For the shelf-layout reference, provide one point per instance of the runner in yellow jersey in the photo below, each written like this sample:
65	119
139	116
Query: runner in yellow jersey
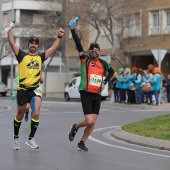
29	69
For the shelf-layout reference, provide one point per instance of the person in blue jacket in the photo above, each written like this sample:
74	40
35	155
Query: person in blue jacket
156	81
119	85
138	81
127	83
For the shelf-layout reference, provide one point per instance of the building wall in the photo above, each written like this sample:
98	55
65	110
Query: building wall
140	46
56	82
15	10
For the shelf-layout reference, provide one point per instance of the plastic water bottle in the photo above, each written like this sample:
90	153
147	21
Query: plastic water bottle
73	21
8	28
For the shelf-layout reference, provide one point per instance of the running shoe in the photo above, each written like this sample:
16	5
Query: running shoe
72	132
26	115
32	143
16	144
81	147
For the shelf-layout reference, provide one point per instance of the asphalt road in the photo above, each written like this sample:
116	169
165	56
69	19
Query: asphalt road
56	152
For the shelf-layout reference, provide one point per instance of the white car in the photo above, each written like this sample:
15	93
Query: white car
3	89
71	90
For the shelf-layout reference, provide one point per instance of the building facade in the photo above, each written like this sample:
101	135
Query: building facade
146	28
149	29
33	18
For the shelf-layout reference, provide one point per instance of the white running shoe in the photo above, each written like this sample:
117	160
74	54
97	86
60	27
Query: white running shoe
16	144
32	143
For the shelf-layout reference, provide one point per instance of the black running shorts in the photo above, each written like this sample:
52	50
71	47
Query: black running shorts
24	97
90	102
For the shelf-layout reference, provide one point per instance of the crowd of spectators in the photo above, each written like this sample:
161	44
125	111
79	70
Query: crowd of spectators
137	86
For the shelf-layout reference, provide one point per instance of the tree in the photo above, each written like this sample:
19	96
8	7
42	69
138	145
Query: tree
46	31
7	51
114	19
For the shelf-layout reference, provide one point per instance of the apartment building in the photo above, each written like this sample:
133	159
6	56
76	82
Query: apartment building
33	18
148	29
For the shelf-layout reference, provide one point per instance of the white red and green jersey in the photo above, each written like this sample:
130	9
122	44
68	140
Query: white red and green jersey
92	72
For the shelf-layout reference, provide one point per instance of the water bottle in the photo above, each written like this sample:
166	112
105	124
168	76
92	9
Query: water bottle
8	28
73	21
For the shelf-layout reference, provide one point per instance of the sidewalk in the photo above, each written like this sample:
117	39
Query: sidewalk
163	107
55	95
119	134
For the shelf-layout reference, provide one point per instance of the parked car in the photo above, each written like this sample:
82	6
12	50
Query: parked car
3	89
71	90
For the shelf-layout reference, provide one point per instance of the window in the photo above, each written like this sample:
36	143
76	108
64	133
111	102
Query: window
155	18
26	17
132	24
154	22
38	19
168	18
5	18
72	83
166	21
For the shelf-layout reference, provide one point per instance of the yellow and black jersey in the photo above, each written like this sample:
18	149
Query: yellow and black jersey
29	68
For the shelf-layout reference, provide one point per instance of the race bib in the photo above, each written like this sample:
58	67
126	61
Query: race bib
38	91
95	80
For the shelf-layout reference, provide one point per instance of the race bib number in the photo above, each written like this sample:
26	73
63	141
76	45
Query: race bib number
95	80
38	91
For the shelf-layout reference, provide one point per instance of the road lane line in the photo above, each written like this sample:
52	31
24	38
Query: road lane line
123	148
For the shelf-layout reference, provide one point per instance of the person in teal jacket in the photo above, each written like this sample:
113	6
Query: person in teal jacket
119	85
127	82
138	82
156	81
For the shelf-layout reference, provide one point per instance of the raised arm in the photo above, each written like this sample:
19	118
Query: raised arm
14	47
77	41
55	45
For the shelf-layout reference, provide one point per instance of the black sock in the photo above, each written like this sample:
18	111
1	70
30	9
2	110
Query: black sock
34	126
17	125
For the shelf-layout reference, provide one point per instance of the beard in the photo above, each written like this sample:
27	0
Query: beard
32	49
94	55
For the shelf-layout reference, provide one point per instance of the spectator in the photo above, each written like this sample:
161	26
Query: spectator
167	85
156	83
114	88
128	77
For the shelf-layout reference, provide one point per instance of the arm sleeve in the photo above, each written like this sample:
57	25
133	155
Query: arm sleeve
77	41
109	76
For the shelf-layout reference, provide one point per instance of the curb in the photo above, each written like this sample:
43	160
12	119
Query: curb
163	107
119	134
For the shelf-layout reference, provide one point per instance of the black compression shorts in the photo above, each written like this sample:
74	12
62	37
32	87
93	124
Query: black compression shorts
90	102
24	97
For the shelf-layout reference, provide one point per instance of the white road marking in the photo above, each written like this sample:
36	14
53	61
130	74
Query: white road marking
8	108
72	112
51	102
124	148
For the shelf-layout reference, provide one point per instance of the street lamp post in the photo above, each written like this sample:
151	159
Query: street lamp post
12	63
1	18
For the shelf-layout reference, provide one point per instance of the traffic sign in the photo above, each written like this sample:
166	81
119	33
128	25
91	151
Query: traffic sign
159	55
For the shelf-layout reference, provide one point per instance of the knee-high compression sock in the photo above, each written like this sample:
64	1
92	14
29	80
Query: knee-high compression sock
17	124
33	128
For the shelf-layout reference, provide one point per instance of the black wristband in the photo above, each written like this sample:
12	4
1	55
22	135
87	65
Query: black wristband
59	36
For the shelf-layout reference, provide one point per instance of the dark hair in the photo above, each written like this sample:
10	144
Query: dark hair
34	39
94	45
